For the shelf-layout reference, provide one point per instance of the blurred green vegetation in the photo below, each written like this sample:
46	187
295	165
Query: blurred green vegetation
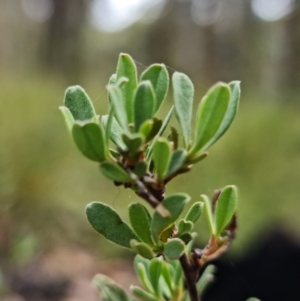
45	183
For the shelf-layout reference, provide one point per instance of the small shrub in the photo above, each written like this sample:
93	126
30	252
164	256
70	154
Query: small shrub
145	160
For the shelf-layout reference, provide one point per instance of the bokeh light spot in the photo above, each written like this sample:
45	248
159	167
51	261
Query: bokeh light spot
272	10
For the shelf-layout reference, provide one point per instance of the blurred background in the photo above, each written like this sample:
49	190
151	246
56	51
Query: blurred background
47	249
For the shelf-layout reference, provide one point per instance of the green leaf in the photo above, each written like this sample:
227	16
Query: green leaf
79	104
115	131
114	172
194	212
174	248
184	226
126	68
206	279
144	104
186	237
167	233
109	290
161	156
117	101
210	115
225	207
154	273
108	223
140	221
166	274
174	204
176	162
146	128
108	287
235	93
90	140
197	158
140	169
142	249
143	276
178	277
141	294
111	82
173	137
183	96
209	214
150	133
133	142
160	132
68	117
158	75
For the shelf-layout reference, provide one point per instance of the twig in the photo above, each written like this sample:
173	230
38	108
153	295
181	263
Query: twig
189	279
148	197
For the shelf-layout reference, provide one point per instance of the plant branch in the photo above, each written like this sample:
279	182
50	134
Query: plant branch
189	279
148	197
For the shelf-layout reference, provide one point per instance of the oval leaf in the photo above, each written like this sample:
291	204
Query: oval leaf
235	92
140	169
142	249
210	115
90	139
209	214
154	272
117	100
161	157
194	212
141	270
160	132
133	142
144	104
174	204
158	75
184	226
78	102
141	294
114	172
115	132
107	286
68	117
176	162
174	248
108	223
126	68
225	207
183	96
150	128
140	221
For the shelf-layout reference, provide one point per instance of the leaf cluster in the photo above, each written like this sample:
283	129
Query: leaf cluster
131	147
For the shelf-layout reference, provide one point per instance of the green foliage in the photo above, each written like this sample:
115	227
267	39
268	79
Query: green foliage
195	212
90	140
174	249
225	208
69	119
158	75
161	157
144	104
183	96
210	114
140	221
174	204
110	291
79	104
108	223
114	172
145	161
126	68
